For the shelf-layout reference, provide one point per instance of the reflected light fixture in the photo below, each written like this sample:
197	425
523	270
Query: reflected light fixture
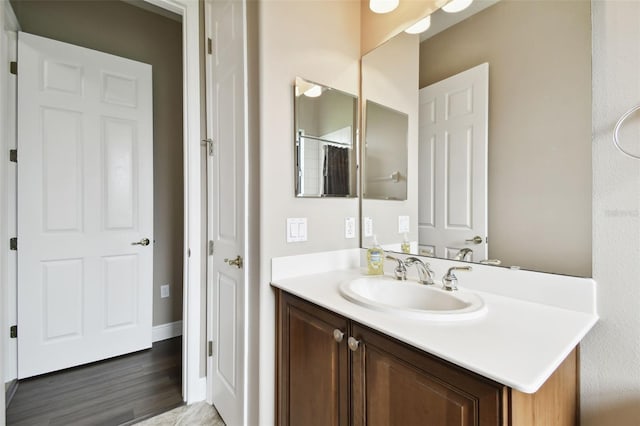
314	91
383	6
456	5
420	26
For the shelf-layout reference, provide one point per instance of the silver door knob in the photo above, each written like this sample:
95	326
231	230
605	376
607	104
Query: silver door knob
237	262
142	242
353	343
338	335
475	240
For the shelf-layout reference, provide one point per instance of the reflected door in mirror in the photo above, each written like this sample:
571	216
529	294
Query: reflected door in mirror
453	165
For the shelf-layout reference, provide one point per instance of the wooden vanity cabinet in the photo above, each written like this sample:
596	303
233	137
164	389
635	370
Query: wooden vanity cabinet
325	379
312	365
393	383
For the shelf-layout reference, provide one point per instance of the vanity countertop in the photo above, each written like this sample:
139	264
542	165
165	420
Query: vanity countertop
517	343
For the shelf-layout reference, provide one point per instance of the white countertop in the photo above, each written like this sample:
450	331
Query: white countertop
517	343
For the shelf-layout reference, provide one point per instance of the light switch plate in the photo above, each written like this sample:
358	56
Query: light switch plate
164	291
368	226
403	224
296	229
349	227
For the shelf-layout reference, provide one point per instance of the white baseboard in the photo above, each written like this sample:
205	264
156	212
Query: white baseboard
166	331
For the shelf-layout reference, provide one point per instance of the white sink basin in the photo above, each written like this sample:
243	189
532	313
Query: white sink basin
411	299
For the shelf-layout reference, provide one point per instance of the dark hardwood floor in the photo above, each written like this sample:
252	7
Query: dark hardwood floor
112	392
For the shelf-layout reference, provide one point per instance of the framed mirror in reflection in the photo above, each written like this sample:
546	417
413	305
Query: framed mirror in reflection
537	169
384	153
326	129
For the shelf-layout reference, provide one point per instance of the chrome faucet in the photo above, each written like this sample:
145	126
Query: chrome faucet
401	269
462	254
450	281
425	273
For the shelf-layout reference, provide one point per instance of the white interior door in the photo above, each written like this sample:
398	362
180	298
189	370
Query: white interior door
453	164
85	194
226	123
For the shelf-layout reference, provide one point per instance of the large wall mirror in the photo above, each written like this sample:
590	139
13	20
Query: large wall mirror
498	100
326	130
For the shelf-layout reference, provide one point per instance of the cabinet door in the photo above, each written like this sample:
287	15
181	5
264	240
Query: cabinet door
313	366
395	384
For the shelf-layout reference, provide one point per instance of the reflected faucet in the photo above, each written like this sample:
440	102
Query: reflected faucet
425	273
400	270
462	254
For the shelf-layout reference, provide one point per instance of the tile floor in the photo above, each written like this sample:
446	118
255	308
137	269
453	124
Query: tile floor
197	414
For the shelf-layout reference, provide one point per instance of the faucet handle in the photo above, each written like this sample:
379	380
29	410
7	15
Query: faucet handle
401	270
450	281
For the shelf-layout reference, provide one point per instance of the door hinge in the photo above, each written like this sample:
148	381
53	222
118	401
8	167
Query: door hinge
209	46
13	243
210	348
13	331
211	247
13	67
13	155
209	144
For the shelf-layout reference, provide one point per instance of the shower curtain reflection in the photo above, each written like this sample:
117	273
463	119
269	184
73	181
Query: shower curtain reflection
336	170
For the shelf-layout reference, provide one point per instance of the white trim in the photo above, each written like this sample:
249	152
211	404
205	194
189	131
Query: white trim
10	20
7	193
193	385
166	331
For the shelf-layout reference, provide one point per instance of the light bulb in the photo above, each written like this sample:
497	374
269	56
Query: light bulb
314	91
383	6
420	26
456	5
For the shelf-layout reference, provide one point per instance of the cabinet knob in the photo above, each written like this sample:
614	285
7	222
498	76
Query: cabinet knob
338	335
353	343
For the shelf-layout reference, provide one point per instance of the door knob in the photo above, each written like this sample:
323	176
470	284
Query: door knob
142	242
353	343
338	335
475	240
237	262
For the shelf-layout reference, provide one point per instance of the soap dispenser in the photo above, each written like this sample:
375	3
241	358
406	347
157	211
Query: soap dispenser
405	246
375	258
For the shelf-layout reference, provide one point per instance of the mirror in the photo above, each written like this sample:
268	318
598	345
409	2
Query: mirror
384	153
538	128
326	129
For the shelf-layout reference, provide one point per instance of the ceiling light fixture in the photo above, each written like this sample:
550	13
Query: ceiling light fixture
314	91
456	5
383	6
420	26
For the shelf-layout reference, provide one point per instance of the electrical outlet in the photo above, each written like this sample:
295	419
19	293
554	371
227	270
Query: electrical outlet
349	227
164	291
403	224
368	227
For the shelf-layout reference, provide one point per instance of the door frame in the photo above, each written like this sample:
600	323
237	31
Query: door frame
193	381
193	385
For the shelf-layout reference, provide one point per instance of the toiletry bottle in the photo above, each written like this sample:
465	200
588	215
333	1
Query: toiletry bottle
375	258
405	246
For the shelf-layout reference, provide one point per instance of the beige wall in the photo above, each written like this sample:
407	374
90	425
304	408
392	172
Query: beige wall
318	41
539	56
394	82
124	30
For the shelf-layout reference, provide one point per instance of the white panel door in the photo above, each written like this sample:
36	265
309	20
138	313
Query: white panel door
85	194
226	275
453	164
